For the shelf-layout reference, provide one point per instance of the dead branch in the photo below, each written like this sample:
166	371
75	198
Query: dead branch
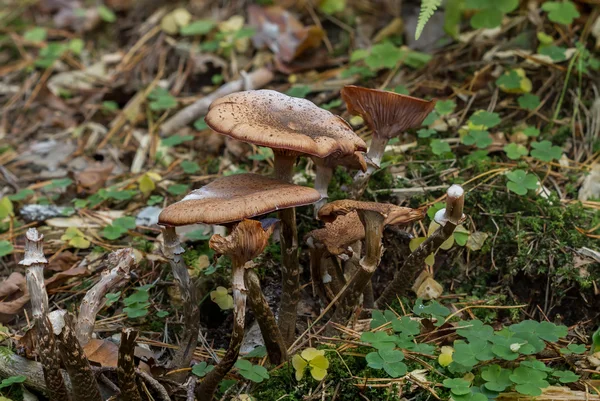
256	79
95	299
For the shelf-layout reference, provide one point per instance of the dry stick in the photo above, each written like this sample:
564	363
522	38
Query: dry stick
256	79
206	389
34	260
173	252
266	320
126	366
85	386
407	274
14	365
374	223
95	299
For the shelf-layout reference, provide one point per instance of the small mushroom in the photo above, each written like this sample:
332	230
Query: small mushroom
388	114
291	127
227	201
448	218
374	217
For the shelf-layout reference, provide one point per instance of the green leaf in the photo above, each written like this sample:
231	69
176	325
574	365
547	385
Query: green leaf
481	139
545	151
565	376
21	195
529	381
556	53
176	140
384	55
6	207
445	107
255	373
154	200
202	369
561	12
515	151
474	330
6	248
127	222
520	182
258	352
468	354
162	313
488	18
457	386
135	312
112	297
200	27
485	118
431	118
190	167
531	131
379	339
161	100
299	91
380	318
432	308
332	6
439	147
178	189
106	14
110	105
426	132
388	360
76	45
529	101
573	349
37	34
496	377
9	381
509	80
112	232
428	7
406	325
200	125
59	183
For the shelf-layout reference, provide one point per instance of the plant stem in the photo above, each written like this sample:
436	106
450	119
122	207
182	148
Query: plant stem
207	388
406	275
274	343
290	267
375	153
374	223
173	252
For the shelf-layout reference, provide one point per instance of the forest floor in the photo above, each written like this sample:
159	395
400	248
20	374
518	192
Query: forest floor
92	148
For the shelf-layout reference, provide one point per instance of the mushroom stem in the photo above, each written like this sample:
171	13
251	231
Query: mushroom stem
350	298
207	388
322	179
290	267
173	252
126	366
266	320
375	153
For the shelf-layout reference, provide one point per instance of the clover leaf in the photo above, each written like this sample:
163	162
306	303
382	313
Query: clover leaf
406	325
221	297
9	381
531	131
474	330
520	181
529	381
545	330
556	53
485	119
561	12
255	373
480	138
573	349
457	386
380	318
379	339
388	360
497	378
445	107
565	376
202	369
426	132
509	80
468	354
515	151
439	147
161	100
6	248
545	152
529	101
75	238
315	360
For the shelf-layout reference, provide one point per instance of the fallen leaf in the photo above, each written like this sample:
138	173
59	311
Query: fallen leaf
102	352
476	240
94	177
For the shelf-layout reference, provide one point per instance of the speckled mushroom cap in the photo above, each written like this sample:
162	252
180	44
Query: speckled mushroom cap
234	198
394	215
340	233
269	118
388	114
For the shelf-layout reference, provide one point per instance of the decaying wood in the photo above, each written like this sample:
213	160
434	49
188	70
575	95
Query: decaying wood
173	252
126	366
95	298
14	365
47	350
255	80
85	386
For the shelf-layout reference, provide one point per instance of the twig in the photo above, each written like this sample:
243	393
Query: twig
258	79
95	299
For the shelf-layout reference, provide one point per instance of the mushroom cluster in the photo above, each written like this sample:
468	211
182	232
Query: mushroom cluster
292	128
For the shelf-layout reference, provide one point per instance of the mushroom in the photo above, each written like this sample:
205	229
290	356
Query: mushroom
291	127
374	217
388	114
230	201
448	218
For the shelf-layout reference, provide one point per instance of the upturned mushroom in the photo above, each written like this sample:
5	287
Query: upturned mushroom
374	217
230	201
291	127
448	218
388	114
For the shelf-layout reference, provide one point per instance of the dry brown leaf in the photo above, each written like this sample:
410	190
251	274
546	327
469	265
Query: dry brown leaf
102	352
93	177
63	261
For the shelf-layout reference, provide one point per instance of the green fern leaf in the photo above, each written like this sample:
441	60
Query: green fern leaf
428	7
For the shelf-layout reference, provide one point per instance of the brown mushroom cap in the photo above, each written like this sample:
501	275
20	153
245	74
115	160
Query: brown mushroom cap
269	118
234	198
394	215
355	161
388	114
340	233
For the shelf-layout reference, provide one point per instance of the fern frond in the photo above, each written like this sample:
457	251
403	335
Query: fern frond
428	7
